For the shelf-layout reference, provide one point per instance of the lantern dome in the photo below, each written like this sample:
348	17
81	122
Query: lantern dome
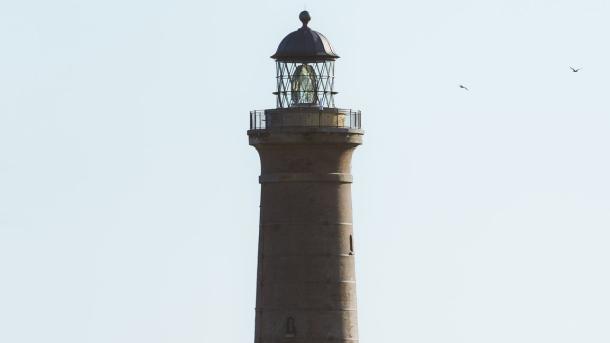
305	45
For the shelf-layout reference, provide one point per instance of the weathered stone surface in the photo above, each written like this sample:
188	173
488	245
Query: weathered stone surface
306	290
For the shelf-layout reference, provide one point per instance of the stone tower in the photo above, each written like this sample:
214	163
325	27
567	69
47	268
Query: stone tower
306	287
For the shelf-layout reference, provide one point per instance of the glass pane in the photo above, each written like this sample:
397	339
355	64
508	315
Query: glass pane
304	86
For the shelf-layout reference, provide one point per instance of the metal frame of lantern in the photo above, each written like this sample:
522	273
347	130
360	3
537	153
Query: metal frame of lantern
289	79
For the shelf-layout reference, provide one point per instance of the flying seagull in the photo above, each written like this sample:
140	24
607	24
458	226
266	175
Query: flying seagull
575	70
464	87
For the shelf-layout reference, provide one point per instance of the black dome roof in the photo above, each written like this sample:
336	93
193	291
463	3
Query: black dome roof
305	45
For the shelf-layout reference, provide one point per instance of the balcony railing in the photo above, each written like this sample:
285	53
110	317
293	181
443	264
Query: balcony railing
325	118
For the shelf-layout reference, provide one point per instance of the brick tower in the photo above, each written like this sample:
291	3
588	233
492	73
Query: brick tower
306	286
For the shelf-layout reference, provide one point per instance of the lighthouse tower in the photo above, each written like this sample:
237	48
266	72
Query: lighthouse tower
306	285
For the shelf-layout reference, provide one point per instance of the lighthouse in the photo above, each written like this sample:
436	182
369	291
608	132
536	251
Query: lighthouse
306	284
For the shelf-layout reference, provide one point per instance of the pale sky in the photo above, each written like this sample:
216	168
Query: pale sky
129	194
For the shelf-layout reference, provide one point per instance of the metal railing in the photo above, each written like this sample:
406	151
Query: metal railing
257	120
338	118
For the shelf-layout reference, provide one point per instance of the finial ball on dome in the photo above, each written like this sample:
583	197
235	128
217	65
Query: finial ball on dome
304	17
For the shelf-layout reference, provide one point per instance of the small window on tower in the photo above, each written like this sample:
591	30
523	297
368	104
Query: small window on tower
351	245
291	330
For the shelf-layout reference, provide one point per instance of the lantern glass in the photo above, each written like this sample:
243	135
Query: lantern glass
305	84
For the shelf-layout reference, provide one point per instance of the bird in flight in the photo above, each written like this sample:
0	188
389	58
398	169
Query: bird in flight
575	70
464	87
